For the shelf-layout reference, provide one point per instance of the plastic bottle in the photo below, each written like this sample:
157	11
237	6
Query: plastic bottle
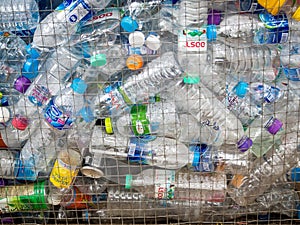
20	17
9	162
167	185
156	76
58	26
138	15
204	106
244	189
237	59
63	109
249	29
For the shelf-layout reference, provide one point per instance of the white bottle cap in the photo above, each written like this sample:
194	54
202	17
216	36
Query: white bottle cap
91	171
153	42
4	114
136	39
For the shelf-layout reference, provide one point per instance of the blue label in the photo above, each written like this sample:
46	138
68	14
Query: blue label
79	11
24	33
205	162
64	5
56	117
139	151
26	170
276	29
292	74
271	95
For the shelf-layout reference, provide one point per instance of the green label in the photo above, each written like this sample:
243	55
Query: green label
139	122
22	198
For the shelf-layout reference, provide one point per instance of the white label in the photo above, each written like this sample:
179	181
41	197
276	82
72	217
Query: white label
192	40
131	149
108	14
77	14
164	184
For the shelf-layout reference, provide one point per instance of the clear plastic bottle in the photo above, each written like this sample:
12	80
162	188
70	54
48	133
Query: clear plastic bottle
169	185
63	109
204	106
248	29
138	15
237	59
244	189
158	75
20	17
57	28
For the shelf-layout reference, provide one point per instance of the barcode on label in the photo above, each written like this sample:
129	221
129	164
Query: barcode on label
284	37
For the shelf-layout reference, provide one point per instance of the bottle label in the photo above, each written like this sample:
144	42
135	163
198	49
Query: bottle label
109	14
78	11
78	200
276	29
266	93
62	174
56	117
21	198
24	33
164	184
139	152
206	158
249	6
39	95
292	74
192	40
64	5
140	124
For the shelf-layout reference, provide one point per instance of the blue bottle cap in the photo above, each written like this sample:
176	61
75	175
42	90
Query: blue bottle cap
244	144
129	24
87	114
241	89
211	32
295	174
30	68
196	159
79	86
34	54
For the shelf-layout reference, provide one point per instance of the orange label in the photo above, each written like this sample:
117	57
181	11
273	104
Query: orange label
237	180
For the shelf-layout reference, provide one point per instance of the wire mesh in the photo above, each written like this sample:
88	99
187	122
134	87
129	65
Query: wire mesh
149	112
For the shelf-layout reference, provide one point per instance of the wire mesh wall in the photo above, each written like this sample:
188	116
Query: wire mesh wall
149	111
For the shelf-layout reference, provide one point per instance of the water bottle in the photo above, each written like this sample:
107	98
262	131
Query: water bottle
236	59
204	106
63	109
9	162
249	29
20	17
138	15
158	75
169	185
58	26
192	42
244	189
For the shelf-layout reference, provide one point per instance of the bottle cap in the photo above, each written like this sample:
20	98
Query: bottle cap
134	62
34	54
136	39
295	174
20	122
191	80
91	172
30	68
153	42
4	114
87	114
108	125
275	126
244	144
22	84
214	17
296	14
98	60
78	85
129	24
211	32
241	89
196	159
128	181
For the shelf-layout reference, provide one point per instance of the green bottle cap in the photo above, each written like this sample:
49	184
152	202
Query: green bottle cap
191	80
128	181
98	60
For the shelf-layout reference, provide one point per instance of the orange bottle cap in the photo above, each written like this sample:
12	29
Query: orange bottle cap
134	62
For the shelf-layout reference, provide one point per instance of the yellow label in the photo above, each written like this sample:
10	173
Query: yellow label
272	6
296	15
62	174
